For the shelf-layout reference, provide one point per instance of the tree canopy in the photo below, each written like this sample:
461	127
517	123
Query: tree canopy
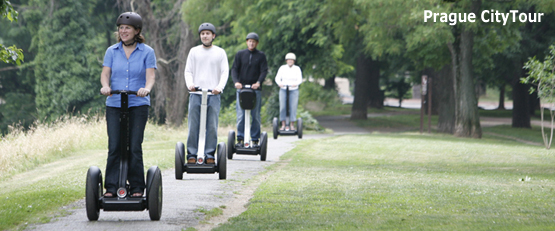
369	41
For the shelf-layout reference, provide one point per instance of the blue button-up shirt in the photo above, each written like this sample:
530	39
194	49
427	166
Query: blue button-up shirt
129	74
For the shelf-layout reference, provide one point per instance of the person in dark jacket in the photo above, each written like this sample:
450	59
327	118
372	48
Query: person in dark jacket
249	68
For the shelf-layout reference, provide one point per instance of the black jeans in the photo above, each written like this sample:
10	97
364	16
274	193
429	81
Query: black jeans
138	117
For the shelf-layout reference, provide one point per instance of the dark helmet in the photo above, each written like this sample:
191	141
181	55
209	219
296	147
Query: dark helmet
130	18
207	26
252	35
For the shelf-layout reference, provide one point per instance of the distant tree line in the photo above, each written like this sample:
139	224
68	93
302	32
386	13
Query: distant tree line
372	42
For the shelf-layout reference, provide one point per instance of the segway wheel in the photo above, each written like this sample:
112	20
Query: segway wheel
154	193
275	127
179	160
93	193
222	165
263	146
230	144
300	128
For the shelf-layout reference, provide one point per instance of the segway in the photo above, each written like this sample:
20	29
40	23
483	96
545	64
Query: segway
275	122
200	166
247	101
95	199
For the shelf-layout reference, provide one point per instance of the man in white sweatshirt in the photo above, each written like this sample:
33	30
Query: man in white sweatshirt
207	67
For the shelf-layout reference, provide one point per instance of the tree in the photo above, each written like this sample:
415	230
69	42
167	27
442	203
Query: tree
66	68
10	54
542	74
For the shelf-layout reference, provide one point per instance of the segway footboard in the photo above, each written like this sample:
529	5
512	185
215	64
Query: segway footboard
200	168
248	151
124	204
288	133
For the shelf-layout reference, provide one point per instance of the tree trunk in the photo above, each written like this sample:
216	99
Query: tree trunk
501	98
362	84
467	120
376	95
521	95
329	84
534	103
444	95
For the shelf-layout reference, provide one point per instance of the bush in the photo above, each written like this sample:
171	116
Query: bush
309	91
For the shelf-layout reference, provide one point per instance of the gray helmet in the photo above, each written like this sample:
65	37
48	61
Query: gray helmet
130	18
207	26
252	35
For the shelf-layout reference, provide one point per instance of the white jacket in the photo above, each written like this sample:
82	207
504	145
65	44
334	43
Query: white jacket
289	76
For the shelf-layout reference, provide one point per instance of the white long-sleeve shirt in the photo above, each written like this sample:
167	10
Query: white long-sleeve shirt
287	75
207	68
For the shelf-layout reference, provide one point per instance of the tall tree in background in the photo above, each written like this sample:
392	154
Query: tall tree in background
66	69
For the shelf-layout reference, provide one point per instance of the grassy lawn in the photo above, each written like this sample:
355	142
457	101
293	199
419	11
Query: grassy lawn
406	181
36	193
400	180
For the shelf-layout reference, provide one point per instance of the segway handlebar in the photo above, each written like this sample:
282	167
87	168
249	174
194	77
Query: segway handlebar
123	91
200	89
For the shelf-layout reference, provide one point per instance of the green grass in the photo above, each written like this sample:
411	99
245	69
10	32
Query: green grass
406	181
394	181
37	195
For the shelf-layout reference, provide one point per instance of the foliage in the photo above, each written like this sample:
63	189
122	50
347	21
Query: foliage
542	75
66	66
398	86
309	122
310	91
18	112
10	54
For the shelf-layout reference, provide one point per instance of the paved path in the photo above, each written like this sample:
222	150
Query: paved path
182	198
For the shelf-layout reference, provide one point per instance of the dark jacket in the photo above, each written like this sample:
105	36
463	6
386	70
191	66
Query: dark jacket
246	72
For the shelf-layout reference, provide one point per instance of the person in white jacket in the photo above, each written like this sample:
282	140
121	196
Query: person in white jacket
207	67
289	75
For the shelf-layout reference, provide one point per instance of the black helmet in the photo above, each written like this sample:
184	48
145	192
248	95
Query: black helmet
207	26
252	35
130	18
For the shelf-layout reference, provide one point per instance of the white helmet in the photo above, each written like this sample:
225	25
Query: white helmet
290	56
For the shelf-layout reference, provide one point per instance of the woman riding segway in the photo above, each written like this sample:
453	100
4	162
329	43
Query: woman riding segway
129	68
288	78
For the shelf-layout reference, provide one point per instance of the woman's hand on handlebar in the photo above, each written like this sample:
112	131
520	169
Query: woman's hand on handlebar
105	91
142	92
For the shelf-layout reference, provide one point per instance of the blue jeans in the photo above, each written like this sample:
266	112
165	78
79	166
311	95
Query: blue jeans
255	118
138	117
213	111
293	102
